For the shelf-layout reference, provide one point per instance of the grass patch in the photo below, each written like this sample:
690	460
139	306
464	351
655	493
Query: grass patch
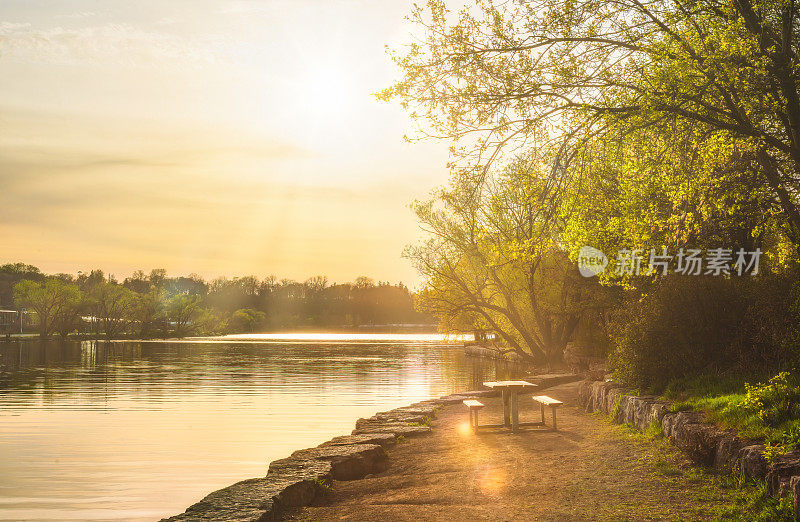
726	401
725	497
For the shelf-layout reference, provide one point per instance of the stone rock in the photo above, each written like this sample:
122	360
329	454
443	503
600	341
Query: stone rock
671	421
418	409
396	429
699	441
728	450
399	416
780	472
688	431
612	396
584	392
348	462
449	399
641	411
752	462
381	439
794	486
399	419
261	498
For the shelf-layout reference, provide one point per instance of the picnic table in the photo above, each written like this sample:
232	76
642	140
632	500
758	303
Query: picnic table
511	390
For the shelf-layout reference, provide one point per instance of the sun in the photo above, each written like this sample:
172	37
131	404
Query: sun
325	92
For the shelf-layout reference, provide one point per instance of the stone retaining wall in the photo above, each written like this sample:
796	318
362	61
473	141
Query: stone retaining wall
704	442
306	474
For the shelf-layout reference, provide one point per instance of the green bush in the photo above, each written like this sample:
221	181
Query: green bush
688	326
776	401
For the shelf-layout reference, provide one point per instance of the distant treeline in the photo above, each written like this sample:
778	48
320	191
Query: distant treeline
155	305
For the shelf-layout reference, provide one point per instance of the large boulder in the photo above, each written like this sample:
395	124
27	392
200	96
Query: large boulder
728	452
752	461
641	411
348	462
261	498
780	471
688	431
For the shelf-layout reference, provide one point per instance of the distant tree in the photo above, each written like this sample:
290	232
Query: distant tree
193	284
67	315
210	322
317	283
147	311
364	282
246	320
111	304
51	299
181	310
13	273
138	282
157	276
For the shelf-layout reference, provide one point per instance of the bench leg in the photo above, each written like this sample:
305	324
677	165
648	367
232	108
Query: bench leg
542	405
555	426
475	416
514	412
470	419
506	409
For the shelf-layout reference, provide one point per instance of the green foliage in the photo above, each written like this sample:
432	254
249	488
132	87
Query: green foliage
616	409
492	261
112	305
759	505
148	305
685	132
685	327
55	302
655	430
776	401
766	411
247	319
676	407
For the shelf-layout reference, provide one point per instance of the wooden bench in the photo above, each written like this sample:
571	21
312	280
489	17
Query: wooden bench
474	406
543	401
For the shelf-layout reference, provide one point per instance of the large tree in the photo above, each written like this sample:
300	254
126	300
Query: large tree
720	76
492	261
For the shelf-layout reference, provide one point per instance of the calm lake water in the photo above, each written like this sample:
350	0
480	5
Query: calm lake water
141	430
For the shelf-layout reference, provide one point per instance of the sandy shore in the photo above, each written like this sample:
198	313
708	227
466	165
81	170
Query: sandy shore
588	470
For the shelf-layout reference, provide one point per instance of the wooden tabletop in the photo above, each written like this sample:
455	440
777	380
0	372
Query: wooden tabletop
509	384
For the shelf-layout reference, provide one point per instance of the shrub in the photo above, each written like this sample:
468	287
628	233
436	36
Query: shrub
776	402
687	326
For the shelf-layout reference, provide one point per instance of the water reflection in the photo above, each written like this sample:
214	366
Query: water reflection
133	430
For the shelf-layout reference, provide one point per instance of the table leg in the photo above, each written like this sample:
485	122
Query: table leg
506	409
514	412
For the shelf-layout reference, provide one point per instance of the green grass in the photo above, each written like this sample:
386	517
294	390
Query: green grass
729	497
722	397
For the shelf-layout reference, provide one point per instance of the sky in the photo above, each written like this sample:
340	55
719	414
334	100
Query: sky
217	137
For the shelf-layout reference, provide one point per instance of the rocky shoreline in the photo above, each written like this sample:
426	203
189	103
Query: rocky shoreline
306	474
704	442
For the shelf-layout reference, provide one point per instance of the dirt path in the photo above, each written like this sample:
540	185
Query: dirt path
588	470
